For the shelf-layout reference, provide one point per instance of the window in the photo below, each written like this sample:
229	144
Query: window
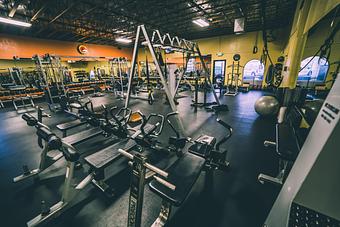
313	69
219	70
253	71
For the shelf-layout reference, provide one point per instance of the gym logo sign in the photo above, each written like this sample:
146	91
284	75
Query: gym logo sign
82	49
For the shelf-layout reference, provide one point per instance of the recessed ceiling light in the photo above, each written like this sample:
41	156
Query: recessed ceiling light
123	40
15	22
201	22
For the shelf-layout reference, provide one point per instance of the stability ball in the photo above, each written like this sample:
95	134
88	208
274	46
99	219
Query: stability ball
267	106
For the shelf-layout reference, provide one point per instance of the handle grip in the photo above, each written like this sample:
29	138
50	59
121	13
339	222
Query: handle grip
170	123
53	141
31	121
160	124
229	128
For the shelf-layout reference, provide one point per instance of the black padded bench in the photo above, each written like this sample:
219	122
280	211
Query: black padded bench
82	136
287	146
288	138
105	157
288	141
64	127
183	173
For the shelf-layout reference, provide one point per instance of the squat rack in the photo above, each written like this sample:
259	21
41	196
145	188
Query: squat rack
120	64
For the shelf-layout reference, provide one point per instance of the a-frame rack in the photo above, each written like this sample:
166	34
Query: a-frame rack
166	42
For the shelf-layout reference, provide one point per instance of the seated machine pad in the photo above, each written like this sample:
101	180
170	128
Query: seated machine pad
203	146
183	174
105	157
70	125
82	136
287	146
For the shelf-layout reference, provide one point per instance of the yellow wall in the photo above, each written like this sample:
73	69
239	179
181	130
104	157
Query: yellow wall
229	45
28	65
242	44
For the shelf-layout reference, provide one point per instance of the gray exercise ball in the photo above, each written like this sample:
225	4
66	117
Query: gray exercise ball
267	106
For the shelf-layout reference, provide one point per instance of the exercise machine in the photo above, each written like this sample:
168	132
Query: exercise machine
97	162
171	184
209	106
234	77
309	196
45	160
51	70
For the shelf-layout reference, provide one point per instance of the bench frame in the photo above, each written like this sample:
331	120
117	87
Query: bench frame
69	192
284	164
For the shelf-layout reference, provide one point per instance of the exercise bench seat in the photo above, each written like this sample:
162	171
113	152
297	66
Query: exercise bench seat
183	174
287	146
69	125
105	157
82	136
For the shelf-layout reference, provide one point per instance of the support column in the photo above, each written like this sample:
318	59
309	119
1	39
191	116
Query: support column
296	44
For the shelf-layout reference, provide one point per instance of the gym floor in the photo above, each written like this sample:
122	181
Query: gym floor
233	198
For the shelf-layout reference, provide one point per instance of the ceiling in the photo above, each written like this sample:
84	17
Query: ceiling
102	21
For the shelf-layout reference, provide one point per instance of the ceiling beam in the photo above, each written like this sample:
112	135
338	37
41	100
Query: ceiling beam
62	13
15	8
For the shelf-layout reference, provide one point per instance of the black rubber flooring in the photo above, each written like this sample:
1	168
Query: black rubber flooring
233	198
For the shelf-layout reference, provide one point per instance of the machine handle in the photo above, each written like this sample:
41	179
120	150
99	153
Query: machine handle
147	165
144	121
89	102
53	141
106	113
70	153
160	124
229	128
127	114
31	121
165	183
170	123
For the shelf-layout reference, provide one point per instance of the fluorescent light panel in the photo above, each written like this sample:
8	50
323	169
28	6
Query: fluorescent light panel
123	40
15	22
201	22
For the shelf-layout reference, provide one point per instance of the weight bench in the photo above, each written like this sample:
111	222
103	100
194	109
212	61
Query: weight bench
183	173
80	137
104	158
64	127
287	146
174	184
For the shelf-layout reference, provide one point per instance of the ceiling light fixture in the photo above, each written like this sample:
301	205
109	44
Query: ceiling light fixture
123	40
201	22
15	22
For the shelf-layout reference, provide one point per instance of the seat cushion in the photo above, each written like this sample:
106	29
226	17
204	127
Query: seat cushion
183	174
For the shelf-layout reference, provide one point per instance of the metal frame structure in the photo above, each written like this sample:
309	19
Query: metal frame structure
101	21
119	62
166	41
49	66
233	79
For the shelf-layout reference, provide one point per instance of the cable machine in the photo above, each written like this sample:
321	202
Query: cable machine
234	76
118	68
21	99
52	74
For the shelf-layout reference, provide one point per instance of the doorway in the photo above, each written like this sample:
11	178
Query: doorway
219	71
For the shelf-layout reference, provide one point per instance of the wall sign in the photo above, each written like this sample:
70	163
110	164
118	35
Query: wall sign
82	49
